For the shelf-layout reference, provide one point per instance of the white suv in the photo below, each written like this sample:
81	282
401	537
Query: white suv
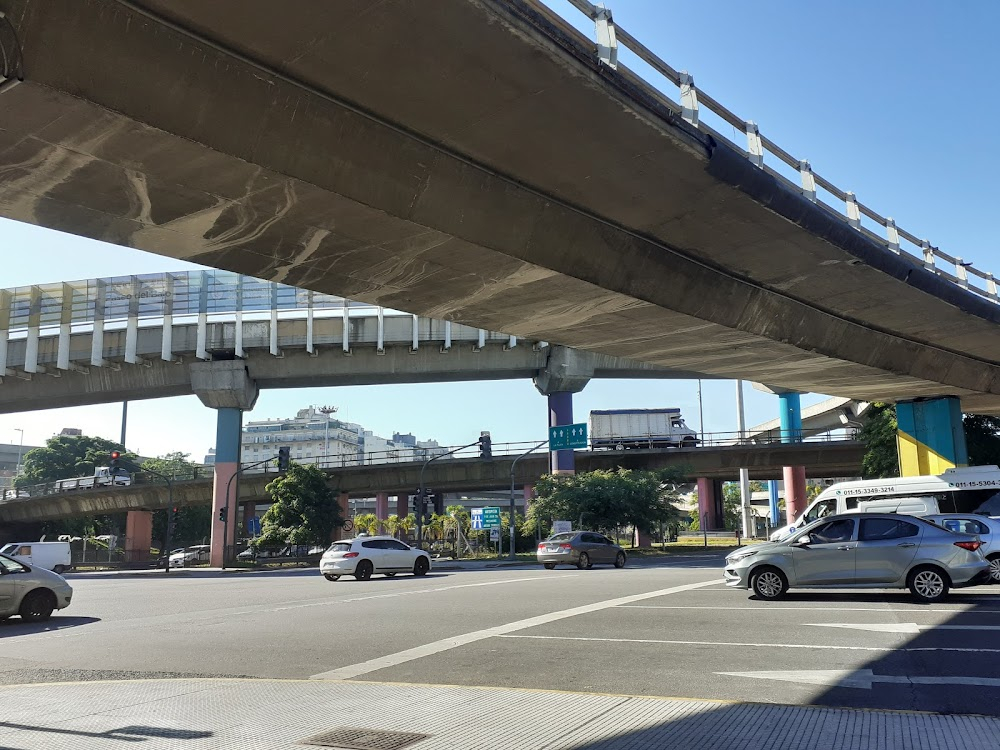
365	555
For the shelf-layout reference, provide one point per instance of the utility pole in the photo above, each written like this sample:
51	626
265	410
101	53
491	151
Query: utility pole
513	510
701	416
327	411
745	509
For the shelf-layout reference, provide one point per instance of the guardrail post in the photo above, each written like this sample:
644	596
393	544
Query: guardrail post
961	271
808	180
853	212
892	235
607	43
991	287
754	146
928	255
689	98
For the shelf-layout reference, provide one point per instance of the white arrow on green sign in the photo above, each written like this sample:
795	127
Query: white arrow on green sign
568	436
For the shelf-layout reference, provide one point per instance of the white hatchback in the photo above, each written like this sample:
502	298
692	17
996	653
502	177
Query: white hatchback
366	555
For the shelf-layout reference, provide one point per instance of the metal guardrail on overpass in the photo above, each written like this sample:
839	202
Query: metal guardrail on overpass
822	457
695	103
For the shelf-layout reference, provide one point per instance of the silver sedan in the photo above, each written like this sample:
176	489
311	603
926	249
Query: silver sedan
987	529
30	591
862	550
583	549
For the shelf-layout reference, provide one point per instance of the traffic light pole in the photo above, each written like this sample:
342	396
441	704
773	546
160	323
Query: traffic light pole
513	510
422	492
225	518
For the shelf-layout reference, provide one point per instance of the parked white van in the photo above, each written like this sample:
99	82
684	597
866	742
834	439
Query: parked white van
54	556
965	489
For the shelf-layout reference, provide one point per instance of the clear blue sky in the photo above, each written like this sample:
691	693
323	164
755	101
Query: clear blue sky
893	100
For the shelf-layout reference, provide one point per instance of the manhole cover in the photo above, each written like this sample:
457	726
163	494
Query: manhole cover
363	739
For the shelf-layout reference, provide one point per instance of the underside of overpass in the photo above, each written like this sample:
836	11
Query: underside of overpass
841	458
468	161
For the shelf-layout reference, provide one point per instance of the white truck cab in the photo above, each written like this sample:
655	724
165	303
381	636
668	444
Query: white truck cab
964	489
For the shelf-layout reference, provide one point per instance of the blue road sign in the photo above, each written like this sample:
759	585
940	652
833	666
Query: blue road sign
253	526
477	518
567	437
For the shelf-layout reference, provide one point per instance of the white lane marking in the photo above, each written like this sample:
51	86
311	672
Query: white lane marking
394	594
768	608
446	644
757	645
861	678
910	628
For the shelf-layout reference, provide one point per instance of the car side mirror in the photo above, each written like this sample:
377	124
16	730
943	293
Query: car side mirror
803	541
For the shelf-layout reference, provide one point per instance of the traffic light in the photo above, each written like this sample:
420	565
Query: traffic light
426	505
283	457
419	501
173	514
172	520
222	514
113	463
485	446
439	503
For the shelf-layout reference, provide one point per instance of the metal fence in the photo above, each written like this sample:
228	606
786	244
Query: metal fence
696	106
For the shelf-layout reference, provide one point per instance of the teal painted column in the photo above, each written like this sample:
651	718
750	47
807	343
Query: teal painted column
930	436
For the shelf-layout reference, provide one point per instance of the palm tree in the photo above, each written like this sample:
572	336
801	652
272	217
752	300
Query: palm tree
366	523
392	524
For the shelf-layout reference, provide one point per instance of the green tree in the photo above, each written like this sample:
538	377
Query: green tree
606	499
174	465
304	509
732	504
365	523
881	457
982	438
67	457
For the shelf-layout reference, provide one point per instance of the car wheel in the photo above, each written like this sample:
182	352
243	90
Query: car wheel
389	575
769	583
59	569
549	566
421	566
364	570
584	561
928	584
620	560
331	577
994	568
37	606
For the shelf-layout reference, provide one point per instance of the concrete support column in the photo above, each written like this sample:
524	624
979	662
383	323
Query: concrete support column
402	506
641	538
344	501
381	510
772	491
249	511
529	495
138	535
707	516
228	425
929	436
561	413
790	414
795	491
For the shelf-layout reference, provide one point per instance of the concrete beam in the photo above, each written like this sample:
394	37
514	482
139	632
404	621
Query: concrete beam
764	462
224	384
565	371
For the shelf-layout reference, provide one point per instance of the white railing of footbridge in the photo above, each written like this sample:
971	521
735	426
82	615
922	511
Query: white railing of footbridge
844	204
92	305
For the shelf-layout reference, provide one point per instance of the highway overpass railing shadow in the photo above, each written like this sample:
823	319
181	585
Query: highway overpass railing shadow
122	734
15	627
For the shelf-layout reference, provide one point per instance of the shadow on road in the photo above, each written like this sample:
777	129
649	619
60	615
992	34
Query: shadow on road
126	734
17	626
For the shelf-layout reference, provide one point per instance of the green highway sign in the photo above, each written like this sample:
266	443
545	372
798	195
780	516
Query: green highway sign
567	437
491	517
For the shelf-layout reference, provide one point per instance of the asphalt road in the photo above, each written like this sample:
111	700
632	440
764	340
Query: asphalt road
666	630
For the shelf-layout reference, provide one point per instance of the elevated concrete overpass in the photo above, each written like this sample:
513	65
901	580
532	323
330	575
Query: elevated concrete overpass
821	459
474	161
822	418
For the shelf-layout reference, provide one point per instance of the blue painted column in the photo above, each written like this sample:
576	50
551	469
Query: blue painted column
228	427
790	406
930	436
772	491
561	413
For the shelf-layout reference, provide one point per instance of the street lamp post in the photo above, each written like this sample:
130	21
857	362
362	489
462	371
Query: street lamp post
327	411
512	508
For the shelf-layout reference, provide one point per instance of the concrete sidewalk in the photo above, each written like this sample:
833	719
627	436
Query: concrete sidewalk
244	714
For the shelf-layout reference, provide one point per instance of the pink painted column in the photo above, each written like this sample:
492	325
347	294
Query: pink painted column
529	495
229	422
381	509
641	539
249	511
138	535
795	491
706	504
402	506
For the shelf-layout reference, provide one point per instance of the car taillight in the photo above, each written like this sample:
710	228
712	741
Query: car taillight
971	546
565	545
352	554
541	545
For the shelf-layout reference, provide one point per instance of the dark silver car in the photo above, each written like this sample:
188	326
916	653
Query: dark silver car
584	549
987	529
862	550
